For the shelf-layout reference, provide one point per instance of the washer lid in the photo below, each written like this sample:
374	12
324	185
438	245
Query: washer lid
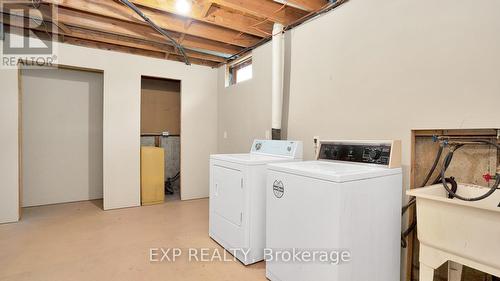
249	158
334	171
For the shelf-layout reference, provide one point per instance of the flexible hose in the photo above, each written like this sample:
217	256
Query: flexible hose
170	182
454	186
446	164
407	232
453	193
445	181
407	206
429	174
413	200
434	165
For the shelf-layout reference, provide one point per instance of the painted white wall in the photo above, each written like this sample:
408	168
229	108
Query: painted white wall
378	69
61	136
121	124
9	142
245	108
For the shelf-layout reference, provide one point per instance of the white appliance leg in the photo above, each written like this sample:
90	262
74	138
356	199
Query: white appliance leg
454	271
426	273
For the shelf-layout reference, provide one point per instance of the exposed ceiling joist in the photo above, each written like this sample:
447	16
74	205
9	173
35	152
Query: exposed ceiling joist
158	29
136	43
269	9
211	32
151	49
135	51
309	5
166	21
215	15
76	38
134	30
206	8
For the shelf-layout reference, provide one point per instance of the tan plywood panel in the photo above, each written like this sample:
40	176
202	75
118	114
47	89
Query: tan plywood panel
160	106
469	163
152	175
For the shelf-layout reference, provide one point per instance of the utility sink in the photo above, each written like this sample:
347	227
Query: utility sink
461	232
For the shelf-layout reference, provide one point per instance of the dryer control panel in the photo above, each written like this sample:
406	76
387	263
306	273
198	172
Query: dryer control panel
385	153
281	148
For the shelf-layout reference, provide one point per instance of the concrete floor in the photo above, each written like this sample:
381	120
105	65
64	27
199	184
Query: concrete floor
80	241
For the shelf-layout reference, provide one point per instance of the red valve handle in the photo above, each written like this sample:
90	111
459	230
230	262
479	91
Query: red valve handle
488	177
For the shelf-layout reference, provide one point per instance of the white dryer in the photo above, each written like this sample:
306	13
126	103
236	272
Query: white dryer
238	197
347	202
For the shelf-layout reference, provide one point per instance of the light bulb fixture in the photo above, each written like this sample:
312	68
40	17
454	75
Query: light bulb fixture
183	7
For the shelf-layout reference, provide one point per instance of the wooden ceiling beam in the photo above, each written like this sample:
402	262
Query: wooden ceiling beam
129	50
269	9
114	40
114	47
139	31
214	15
309	5
136	43
206	8
166	21
110	47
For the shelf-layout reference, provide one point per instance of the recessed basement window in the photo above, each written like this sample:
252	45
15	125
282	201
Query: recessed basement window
240	71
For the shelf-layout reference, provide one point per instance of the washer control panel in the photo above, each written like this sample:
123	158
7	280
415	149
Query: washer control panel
369	152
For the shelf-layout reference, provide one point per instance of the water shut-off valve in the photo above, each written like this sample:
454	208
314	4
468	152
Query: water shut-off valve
488	177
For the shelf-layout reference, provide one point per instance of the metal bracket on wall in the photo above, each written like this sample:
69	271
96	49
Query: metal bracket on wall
276	134
158	137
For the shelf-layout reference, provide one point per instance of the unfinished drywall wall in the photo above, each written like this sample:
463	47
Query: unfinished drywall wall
121	124
245	108
378	69
61	136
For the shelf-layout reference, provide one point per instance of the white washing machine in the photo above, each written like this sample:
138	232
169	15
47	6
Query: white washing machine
238	197
347	202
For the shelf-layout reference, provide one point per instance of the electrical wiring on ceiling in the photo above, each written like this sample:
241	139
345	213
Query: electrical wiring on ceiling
157	28
326	8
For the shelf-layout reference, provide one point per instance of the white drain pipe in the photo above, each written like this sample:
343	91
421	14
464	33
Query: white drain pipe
277	75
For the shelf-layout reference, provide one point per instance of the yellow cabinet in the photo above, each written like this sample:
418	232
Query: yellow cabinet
152	175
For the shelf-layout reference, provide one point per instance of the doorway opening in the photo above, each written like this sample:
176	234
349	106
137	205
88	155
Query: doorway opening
160	140
61	136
